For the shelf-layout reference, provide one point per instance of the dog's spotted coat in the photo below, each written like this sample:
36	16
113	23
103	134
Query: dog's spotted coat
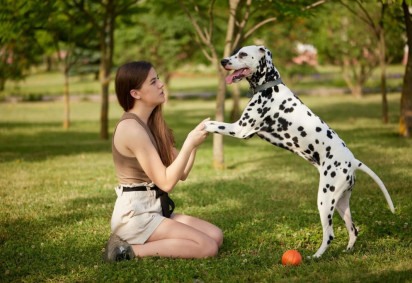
276	115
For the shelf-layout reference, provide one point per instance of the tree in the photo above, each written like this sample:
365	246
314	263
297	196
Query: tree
208	19
373	15
376	25
405	128
204	36
69	38
167	43
344	41
100	16
54	31
20	23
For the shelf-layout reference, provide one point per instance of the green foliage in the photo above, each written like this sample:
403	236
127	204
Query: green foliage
394	26
160	32
166	43
338	33
56	191
408	2
20	23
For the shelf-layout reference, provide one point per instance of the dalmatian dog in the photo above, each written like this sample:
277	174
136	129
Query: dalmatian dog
276	115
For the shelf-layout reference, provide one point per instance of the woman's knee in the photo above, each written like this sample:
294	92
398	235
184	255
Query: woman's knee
210	248
218	236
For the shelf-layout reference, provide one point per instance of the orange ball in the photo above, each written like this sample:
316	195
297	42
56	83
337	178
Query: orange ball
291	257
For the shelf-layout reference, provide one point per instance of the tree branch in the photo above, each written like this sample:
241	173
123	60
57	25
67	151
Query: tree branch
211	19
262	23
366	18
257	26
121	9
233	5
89	16
313	5
242	24
203	36
369	19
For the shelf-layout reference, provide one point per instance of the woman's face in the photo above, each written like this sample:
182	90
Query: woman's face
151	91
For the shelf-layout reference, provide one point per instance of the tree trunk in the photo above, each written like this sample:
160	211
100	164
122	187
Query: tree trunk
233	4
167	78
107	48
351	77
218	152
104	95
382	63
66	118
2	84
357	90
49	63
104	110
235	113
405	125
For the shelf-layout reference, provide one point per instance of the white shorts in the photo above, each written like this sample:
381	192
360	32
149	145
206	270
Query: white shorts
136	214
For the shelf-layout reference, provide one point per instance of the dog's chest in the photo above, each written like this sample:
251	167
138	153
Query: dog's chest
282	112
288	123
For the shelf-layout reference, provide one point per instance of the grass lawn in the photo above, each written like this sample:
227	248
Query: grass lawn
56	194
39	84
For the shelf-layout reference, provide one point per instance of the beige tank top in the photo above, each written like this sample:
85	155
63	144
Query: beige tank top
128	169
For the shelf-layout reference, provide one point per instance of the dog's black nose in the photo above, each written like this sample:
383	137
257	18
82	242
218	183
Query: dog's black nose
224	62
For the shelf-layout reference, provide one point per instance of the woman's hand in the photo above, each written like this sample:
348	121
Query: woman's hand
198	134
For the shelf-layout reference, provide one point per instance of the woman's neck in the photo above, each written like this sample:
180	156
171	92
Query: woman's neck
142	113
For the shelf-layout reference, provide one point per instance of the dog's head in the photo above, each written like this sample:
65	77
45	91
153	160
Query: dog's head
251	62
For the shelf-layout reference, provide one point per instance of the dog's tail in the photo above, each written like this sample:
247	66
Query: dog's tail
375	177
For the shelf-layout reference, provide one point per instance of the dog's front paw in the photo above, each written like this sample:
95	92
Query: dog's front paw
209	126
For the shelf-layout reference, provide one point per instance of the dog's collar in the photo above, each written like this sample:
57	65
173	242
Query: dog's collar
267	85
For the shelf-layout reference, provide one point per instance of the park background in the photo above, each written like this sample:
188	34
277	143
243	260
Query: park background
345	59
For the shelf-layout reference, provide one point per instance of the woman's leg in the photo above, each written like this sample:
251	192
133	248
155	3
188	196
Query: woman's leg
209	229
173	238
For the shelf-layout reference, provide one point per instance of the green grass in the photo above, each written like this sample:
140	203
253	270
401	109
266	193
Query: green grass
51	84
56	193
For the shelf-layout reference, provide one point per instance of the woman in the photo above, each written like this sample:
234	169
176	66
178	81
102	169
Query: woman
148	167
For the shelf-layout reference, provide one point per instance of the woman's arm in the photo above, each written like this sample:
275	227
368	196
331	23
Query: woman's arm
189	164
136	140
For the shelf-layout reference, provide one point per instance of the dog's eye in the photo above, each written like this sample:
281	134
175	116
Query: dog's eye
242	54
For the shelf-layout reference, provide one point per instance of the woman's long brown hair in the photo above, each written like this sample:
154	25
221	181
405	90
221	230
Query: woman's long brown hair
132	76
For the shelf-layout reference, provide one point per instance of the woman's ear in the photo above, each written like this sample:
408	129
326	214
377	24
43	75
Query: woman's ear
135	94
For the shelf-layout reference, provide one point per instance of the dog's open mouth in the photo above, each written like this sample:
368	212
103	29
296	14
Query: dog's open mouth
237	75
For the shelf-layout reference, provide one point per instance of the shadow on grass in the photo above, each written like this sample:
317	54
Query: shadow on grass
55	242
341	109
39	141
385	276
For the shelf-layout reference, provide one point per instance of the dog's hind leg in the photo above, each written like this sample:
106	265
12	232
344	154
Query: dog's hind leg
326	207
344	211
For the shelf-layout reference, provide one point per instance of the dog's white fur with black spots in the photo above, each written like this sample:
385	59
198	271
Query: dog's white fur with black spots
276	115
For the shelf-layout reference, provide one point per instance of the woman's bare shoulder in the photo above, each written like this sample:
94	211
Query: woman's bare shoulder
131	135
129	127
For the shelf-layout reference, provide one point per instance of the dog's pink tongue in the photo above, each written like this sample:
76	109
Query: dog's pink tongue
237	73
